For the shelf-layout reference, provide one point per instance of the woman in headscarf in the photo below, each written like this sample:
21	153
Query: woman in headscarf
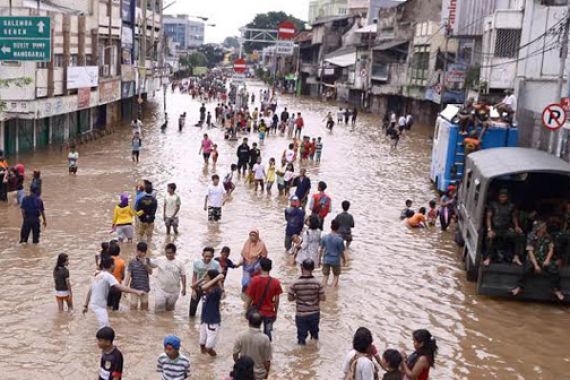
123	219
253	249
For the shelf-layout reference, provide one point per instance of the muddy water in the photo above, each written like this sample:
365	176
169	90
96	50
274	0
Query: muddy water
398	280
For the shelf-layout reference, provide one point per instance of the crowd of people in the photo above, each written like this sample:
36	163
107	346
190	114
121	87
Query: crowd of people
305	242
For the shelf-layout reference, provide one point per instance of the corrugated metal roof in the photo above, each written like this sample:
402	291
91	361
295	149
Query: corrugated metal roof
497	162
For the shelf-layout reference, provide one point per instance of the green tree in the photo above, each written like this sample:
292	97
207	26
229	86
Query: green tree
231	42
214	54
270	20
195	59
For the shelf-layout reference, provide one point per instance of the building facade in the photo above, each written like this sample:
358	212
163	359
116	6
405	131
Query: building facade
319	9
185	33
91	81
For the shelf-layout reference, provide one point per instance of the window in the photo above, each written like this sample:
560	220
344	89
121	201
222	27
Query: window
58	60
380	71
420	64
477	191
507	42
42	65
88	60
73	60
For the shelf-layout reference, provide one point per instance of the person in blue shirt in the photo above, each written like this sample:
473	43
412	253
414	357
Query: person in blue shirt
331	253
32	208
211	319
295	217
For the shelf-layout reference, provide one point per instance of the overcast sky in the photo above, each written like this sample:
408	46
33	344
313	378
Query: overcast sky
230	15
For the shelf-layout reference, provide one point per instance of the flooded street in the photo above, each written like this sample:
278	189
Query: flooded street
398	280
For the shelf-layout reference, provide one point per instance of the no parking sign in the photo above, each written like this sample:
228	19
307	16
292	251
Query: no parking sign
554	116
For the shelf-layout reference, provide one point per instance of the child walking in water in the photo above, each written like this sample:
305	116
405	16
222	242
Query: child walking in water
318	150
215	154
433	213
259	174
72	159
136	146
270	175
62	284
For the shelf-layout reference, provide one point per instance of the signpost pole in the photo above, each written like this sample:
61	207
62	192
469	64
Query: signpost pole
554	142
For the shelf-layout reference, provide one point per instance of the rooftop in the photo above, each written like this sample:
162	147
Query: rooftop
497	162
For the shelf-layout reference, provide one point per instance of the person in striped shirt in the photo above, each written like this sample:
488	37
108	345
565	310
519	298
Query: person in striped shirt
171	364
307	292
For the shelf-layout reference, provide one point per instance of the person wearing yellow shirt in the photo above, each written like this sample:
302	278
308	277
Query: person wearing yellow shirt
123	219
270	175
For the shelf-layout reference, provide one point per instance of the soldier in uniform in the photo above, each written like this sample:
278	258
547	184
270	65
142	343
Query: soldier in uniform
540	248
503	230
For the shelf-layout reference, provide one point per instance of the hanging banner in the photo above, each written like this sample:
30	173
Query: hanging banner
83	97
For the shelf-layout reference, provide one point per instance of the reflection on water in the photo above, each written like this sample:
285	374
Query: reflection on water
398	280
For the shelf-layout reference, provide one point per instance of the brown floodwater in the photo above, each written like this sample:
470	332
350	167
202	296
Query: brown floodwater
398	280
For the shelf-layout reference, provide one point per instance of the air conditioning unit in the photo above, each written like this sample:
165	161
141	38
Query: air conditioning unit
106	70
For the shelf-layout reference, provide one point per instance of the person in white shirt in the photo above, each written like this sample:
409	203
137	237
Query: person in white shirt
402	123
99	291
137	125
509	103
291	125
393	120
171	277
72	159
171	209
259	174
289	154
359	361
215	199
409	122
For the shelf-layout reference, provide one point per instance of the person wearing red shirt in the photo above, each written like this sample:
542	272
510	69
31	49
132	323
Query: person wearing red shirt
263	295
299	124
321	204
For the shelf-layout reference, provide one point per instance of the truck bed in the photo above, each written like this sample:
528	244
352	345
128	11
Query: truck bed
499	279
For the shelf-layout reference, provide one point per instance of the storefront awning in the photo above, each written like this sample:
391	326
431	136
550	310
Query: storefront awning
389	44
372	28
344	60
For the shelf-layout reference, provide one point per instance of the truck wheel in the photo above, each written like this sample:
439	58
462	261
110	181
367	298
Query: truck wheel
470	270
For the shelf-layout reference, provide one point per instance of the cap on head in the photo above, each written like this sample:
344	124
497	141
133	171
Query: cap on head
294	199
504	192
172	341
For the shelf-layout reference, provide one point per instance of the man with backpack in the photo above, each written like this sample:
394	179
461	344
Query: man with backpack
146	210
263	296
320	203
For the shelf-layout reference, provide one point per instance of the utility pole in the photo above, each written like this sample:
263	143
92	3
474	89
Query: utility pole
445	59
142	57
556	137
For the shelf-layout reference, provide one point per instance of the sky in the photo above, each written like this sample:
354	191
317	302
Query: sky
230	15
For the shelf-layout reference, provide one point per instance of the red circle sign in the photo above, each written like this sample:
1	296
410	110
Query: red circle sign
554	116
286	30
240	65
